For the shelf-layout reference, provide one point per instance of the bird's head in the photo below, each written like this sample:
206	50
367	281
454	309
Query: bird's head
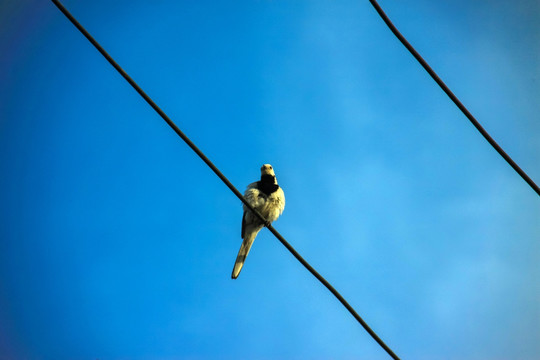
267	169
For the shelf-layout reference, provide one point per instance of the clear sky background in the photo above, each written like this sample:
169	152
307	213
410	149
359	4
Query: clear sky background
117	242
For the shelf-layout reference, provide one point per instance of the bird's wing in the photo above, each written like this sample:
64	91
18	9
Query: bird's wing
280	197
251	195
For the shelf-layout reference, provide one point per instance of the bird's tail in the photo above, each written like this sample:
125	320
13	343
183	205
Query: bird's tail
243	253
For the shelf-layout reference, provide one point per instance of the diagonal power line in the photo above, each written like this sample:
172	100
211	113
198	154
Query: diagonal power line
224	179
454	98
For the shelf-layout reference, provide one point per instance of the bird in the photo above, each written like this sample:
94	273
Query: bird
267	197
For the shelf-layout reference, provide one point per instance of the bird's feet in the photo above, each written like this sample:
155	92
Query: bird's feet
267	224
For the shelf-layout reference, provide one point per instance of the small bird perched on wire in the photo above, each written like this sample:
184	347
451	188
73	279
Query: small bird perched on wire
268	199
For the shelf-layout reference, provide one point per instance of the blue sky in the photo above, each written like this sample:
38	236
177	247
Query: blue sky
118	243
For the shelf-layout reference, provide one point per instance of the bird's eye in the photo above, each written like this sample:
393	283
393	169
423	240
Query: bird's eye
270	167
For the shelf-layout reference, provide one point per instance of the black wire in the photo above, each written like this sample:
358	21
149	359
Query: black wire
454	98
224	179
